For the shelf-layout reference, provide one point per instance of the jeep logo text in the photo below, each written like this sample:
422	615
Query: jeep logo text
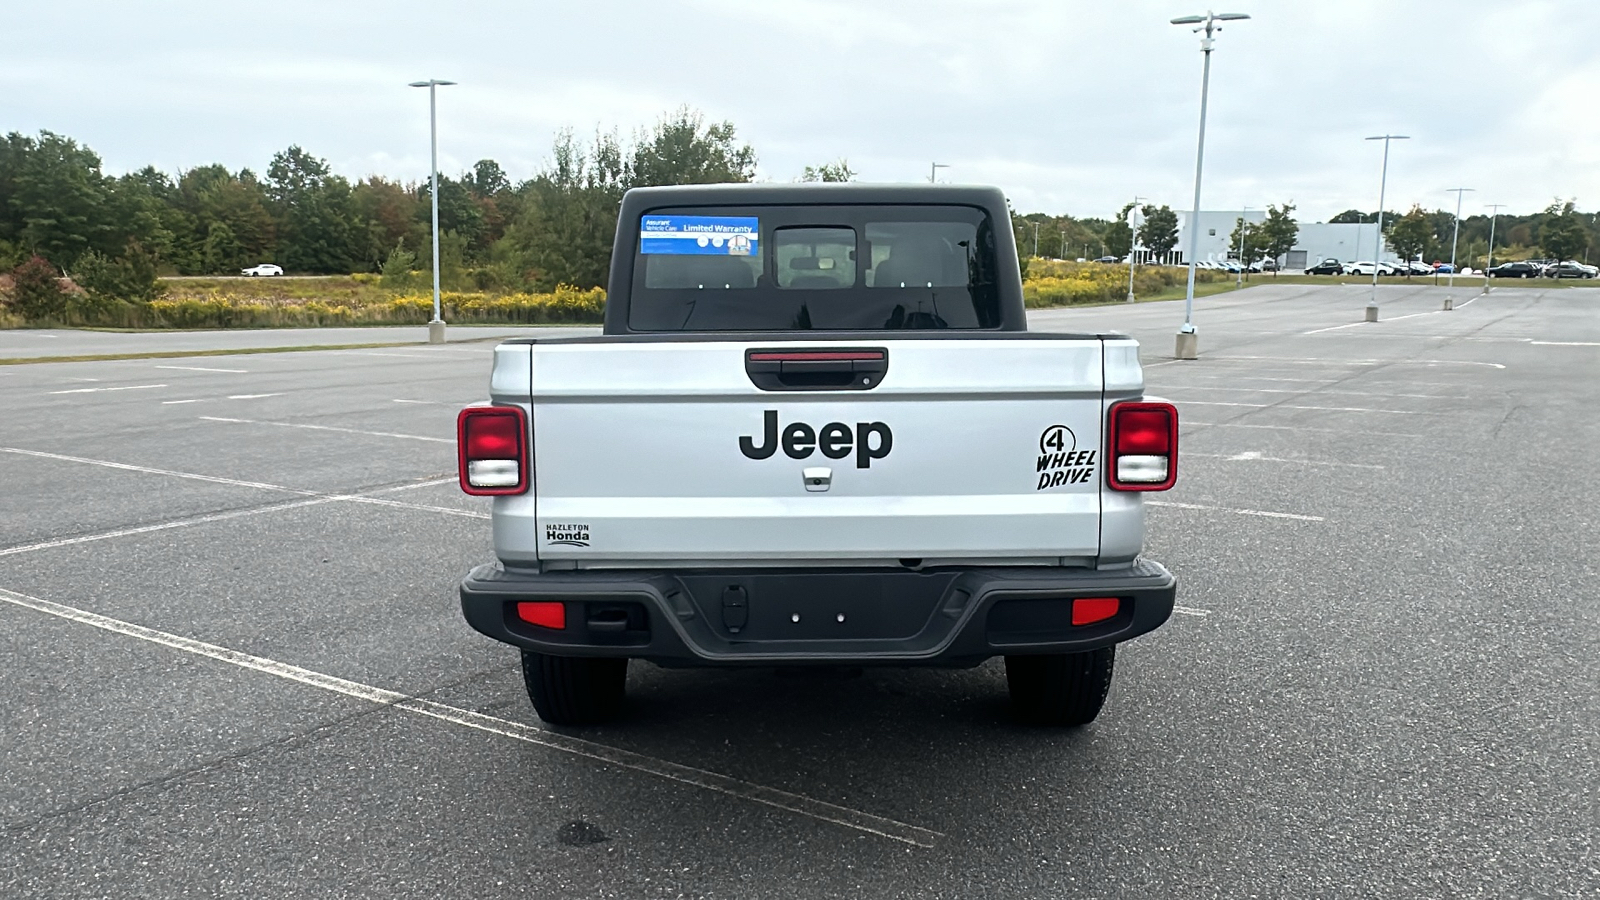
835	440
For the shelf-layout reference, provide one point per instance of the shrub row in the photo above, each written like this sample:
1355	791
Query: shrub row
1061	283
565	305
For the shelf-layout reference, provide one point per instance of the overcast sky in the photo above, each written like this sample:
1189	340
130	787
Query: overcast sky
1071	106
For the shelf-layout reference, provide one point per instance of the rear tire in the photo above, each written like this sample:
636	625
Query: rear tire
574	690
1064	689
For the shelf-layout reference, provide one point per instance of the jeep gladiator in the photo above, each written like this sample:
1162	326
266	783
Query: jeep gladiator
816	431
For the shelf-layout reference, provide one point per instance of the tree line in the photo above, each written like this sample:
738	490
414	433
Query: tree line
554	228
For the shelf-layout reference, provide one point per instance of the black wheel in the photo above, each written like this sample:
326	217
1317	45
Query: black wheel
1064	689
574	690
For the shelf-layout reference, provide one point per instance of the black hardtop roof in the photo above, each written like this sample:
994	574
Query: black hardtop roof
849	193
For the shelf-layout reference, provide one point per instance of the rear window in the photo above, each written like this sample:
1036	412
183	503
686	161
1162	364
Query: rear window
843	268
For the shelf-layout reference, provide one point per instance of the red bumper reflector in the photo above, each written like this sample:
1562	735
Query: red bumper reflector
1089	610
553	613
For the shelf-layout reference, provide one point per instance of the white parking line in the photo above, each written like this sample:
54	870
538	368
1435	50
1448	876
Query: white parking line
638	762
1398	412
214	517
126	387
204	369
389	434
1361	431
176	402
1566	343
1358	362
1242	512
252	396
1256	456
1191	611
1308	391
258	485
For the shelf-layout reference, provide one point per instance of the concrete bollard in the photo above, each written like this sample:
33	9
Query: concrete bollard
1188	346
1449	303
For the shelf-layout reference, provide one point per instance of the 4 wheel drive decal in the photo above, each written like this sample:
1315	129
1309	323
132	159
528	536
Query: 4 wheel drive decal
1060	460
834	439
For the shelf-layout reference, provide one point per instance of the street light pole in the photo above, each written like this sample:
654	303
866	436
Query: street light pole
1239	283
1456	235
1035	239
436	326
1494	213
1133	242
933	172
1188	342
1377	244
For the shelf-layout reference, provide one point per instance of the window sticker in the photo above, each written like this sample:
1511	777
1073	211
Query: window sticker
700	235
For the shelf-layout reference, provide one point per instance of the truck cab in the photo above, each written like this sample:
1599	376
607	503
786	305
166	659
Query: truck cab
816	431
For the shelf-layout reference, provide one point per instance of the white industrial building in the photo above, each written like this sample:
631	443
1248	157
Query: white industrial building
1346	242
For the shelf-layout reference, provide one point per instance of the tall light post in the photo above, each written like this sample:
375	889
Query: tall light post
1456	235
1494	213
1239	283
1035	239
1188	342
1377	243
933	172
1133	242
435	327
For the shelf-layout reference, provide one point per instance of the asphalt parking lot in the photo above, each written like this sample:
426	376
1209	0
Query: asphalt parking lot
234	664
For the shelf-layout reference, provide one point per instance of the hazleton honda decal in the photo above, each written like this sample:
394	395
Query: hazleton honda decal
1060	460
567	534
835	440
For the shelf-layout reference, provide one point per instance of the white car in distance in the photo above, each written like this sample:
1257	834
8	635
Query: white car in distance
262	270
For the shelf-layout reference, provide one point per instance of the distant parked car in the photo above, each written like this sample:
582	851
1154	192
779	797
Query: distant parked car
1108	259
1422	268
1521	269
1264	265
1366	267
262	270
1327	267
1569	269
1445	269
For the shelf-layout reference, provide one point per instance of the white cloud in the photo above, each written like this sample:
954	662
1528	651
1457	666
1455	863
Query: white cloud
1069	106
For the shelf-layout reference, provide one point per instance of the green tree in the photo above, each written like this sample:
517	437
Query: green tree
315	214
1411	234
1159	230
36	290
1246	241
1279	231
683	149
55	197
1562	234
1118	235
834	171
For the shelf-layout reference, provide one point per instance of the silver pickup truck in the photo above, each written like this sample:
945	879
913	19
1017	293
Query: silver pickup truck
815	431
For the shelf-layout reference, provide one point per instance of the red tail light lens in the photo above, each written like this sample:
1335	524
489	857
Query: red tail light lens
1089	610
543	613
1143	439
492	450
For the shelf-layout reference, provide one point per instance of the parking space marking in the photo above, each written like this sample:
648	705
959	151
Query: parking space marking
1398	412
258	485
252	396
126	387
1357	362
1354	324
213	517
1191	611
1242	512
1303	428
1566	343
1307	391
389	434
711	781
204	369
1256	456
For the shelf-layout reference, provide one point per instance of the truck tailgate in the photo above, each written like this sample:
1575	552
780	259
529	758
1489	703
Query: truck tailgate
967	449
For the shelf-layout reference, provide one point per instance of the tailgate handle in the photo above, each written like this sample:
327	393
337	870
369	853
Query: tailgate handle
817	369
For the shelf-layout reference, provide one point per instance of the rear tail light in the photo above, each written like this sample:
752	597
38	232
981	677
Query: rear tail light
492	447
1089	610
543	613
1143	443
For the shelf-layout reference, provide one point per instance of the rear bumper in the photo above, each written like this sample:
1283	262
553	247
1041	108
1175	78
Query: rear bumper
940	617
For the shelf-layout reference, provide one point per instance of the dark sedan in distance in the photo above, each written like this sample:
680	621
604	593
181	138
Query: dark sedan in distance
1569	269
1326	267
1516	270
